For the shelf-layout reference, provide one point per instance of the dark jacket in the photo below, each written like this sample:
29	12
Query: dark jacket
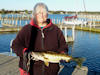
33	38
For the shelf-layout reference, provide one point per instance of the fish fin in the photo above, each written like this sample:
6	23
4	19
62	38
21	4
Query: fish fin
67	60
46	63
79	60
51	52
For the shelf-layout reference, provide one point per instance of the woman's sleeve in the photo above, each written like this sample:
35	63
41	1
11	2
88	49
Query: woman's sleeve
63	47
18	44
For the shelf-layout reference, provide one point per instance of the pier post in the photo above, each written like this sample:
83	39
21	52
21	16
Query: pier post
26	22
73	32
62	21
81	25
12	21
2	20
61	27
54	20
85	23
9	20
0	17
66	33
57	21
20	21
90	24
16	22
6	21
94	24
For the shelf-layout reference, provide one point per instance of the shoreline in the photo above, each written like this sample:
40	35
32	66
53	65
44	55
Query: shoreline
97	30
16	29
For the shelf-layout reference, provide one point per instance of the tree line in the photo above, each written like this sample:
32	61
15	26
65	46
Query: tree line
3	11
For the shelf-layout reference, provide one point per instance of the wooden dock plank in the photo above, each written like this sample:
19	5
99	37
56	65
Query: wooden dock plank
9	65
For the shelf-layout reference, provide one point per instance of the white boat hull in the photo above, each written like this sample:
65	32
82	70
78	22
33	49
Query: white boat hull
75	22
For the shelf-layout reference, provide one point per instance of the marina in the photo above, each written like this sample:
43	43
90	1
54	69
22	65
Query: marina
85	43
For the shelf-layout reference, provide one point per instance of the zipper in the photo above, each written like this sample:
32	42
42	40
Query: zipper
42	33
42	42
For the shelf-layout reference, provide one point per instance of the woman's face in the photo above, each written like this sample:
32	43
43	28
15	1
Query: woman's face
41	15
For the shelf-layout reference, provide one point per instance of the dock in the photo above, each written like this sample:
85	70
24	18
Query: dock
9	65
10	29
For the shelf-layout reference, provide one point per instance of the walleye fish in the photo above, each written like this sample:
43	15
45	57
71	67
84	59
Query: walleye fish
53	57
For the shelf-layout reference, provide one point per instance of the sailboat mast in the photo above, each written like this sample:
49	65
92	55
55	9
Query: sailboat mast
84	5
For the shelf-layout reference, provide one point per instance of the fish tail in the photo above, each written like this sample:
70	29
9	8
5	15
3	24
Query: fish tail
79	60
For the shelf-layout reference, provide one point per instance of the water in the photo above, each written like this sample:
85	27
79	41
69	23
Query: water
5	39
86	44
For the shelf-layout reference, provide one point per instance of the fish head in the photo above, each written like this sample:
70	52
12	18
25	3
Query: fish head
37	56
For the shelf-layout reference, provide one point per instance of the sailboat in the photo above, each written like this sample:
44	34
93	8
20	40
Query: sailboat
74	20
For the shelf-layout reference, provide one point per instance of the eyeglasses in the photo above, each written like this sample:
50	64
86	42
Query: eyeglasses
41	14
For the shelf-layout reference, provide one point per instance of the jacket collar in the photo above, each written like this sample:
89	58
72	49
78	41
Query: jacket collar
48	25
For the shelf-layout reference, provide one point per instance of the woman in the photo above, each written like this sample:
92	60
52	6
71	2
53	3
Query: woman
40	35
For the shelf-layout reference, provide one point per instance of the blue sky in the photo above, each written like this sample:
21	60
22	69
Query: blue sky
67	5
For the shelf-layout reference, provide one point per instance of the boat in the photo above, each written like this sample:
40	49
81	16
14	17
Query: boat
74	20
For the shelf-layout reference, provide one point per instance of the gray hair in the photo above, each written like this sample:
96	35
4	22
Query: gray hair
39	5
35	9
